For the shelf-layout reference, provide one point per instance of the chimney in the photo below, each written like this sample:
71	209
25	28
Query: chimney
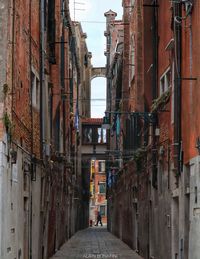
110	16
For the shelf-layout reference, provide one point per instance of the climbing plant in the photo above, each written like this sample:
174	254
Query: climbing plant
7	123
159	103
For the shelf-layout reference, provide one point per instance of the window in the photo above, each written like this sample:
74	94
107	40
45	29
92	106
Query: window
104	135
101	135
101	166
102	210
87	135
51	31
132	2
165	81
102	188
94	135
35	90
62	64
132	59
57	130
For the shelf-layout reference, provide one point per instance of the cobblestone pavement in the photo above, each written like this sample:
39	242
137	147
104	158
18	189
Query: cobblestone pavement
95	242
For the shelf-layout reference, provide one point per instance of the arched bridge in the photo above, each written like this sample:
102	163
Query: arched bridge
98	72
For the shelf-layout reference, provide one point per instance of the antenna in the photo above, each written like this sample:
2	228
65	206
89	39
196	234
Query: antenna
77	3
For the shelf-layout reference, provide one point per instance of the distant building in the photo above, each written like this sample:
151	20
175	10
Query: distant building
98	202
94	146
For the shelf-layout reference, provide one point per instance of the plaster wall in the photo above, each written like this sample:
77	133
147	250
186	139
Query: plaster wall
19	212
194	233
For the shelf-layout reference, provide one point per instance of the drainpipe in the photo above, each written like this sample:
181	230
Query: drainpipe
177	91
191	65
42	79
13	60
31	110
41	253
155	52
155	88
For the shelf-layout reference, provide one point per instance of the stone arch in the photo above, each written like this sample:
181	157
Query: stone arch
98	72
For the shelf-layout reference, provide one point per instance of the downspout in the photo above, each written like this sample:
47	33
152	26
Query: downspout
42	79
41	10
13	60
155	52
155	89
177	91
191	65
31	110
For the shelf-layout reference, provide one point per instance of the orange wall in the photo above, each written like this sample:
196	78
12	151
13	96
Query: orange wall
191	89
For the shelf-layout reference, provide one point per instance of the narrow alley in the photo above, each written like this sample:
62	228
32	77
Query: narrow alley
95	242
99	123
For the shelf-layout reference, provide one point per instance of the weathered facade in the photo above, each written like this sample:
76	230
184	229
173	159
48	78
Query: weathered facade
40	177
153	191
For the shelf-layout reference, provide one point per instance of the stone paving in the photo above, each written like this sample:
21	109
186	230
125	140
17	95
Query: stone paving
95	242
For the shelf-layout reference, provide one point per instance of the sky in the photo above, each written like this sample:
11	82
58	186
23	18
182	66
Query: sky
93	23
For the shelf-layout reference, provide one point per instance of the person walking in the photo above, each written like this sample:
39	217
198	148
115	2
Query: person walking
99	219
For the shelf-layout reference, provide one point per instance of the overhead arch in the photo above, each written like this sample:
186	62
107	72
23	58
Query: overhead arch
98	72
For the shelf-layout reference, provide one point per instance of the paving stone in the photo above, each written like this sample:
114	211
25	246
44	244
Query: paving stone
95	243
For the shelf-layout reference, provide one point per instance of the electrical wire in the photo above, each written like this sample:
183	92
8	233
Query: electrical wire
100	99
92	22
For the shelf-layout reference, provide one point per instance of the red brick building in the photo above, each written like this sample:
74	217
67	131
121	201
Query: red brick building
151	195
41	76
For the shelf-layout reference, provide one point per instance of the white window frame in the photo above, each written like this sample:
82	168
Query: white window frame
132	60
35	89
164	82
102	161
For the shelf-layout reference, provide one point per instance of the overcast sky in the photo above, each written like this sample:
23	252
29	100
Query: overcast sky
93	23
